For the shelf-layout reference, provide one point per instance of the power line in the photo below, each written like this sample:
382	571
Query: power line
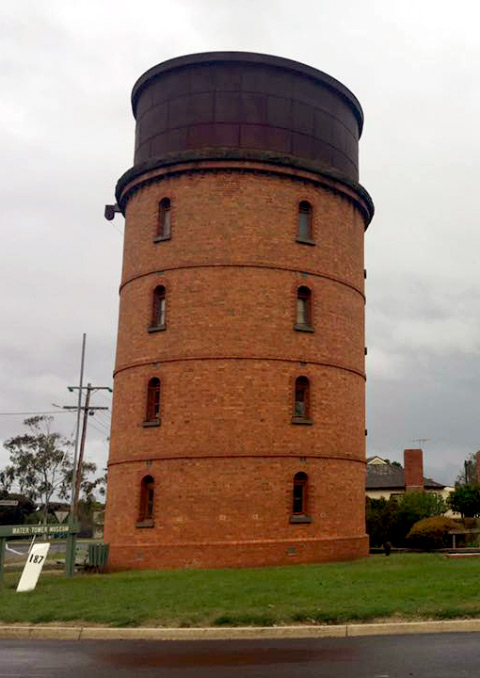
102	419
105	412
101	429
102	432
100	424
13	414
105	431
102	415
105	397
118	230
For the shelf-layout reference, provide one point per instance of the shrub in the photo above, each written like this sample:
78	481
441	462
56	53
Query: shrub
431	533
412	507
392	520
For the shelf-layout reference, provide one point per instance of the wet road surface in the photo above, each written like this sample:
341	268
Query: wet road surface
426	656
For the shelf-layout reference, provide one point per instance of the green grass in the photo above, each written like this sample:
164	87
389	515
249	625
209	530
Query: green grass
408	586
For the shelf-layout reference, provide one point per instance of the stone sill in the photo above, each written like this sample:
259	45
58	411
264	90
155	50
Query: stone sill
148	522
300	518
302	420
303	328
305	241
161	238
151	424
157	328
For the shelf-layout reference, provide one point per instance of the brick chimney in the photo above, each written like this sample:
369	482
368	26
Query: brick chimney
413	464
478	467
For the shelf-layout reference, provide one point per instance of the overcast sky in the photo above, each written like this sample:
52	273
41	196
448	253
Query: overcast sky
67	132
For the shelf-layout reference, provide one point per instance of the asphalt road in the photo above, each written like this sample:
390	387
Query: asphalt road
455	655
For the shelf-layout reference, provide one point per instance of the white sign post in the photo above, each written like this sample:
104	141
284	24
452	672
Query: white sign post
33	567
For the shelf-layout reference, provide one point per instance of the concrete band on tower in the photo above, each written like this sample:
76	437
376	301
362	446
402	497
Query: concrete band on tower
238	426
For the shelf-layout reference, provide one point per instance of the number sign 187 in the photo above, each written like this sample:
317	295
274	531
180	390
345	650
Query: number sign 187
33	567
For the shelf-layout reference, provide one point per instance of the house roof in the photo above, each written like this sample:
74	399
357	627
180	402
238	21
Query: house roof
389	477
376	460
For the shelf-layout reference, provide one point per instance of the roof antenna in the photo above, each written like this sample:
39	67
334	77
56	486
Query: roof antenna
421	441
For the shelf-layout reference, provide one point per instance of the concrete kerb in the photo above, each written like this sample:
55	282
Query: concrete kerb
34	631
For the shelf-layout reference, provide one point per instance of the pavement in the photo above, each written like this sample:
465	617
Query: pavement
51	632
400	656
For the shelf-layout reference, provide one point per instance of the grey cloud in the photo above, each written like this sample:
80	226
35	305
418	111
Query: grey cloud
66	134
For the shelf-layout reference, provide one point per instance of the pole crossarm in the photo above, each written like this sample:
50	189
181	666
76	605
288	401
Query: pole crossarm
93	388
74	407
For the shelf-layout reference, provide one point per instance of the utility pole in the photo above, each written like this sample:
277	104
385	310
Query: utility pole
88	410
77	466
78	478
70	547
77	430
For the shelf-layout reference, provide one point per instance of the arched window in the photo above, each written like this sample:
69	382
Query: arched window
304	221
164	219
153	401
147	497
158	309
301	411
304	309
300	484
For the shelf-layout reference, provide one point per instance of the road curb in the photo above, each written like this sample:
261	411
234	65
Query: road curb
34	631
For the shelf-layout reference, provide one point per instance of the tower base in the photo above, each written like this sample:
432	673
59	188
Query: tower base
254	553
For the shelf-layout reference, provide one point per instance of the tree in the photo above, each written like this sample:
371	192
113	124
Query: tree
465	499
16	515
39	462
89	487
6	481
380	517
88	504
422	504
468	474
41	466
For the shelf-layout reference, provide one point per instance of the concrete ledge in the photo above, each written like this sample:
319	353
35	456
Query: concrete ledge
230	633
397	628
18	632
56	632
33	631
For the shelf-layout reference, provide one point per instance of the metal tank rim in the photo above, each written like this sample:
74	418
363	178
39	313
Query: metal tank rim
141	174
249	58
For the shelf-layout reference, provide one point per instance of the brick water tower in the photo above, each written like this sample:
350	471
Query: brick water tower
238	426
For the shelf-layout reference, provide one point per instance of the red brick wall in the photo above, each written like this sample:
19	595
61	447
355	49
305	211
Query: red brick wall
226	451
217	512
